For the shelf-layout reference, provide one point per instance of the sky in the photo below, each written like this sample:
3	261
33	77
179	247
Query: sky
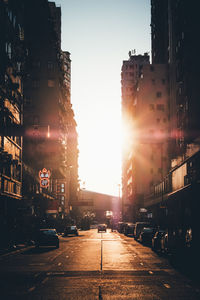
99	34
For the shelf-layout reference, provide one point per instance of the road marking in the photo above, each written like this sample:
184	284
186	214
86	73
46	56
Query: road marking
37	264
150	272
44	280
59	264
167	285
31	289
100	293
55	273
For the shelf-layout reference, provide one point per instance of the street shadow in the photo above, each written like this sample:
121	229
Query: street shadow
39	250
71	236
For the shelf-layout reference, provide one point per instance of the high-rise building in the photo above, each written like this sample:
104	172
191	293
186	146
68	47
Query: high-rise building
151	161
174	33
131	71
12	55
47	109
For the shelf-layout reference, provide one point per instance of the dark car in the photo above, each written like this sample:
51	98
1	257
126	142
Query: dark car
138	228
72	229
47	237
102	227
129	229
156	240
121	227
146	235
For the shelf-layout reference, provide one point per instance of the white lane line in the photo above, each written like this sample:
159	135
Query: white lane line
59	264
31	289
150	272
167	285
45	280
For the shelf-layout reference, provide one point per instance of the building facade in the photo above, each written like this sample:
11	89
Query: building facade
12	56
130	74
47	111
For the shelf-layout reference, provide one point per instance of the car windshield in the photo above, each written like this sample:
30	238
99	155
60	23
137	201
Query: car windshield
48	232
147	229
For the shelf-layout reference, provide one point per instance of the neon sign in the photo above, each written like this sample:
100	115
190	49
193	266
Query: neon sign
44	176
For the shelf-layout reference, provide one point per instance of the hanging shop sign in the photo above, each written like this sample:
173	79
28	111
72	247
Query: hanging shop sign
44	176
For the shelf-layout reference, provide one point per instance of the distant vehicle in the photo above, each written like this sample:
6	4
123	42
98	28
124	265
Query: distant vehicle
102	227
129	229
138	228
71	229
156	240
146	235
47	237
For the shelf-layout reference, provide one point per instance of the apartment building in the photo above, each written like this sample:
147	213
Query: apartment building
12	55
130	74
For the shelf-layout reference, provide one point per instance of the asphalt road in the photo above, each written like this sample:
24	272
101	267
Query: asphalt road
93	266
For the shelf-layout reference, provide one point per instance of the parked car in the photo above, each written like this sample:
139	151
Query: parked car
138	228
46	237
102	227
71	229
121	226
146	235
129	229
156	240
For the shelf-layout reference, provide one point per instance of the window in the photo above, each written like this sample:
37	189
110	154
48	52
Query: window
151	170
62	185
36	64
36	120
51	83
160	107
164	120
9	50
163	81
158	94
35	84
50	65
158	120
151	106
153	81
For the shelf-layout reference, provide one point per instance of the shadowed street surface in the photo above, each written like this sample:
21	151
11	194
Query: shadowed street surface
93	266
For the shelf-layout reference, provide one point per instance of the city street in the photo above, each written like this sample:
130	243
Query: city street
92	266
